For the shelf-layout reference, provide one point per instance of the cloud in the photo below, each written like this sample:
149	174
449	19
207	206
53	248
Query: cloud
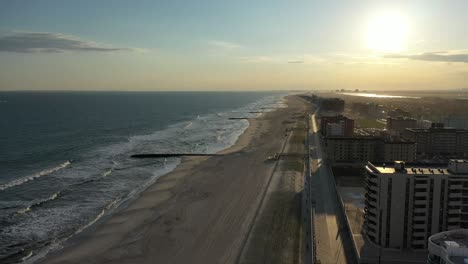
281	59
443	56
225	45
259	59
45	42
296	61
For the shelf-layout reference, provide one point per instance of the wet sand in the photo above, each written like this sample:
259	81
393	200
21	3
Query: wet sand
199	213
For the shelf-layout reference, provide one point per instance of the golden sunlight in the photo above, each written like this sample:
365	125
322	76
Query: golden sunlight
387	32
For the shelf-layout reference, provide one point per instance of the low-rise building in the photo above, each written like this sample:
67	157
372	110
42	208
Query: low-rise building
406	204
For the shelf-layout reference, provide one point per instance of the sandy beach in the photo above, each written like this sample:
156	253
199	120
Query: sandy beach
199	213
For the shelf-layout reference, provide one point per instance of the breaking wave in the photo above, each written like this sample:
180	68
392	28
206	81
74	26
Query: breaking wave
23	180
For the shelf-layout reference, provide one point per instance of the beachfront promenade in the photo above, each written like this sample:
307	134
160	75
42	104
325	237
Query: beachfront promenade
333	244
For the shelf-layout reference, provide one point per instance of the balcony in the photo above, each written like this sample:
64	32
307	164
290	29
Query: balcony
419	218
374	180
371	186
420	193
420	185
454	211
420	202
455	195
371	231
420	226
453	226
419	234
456	187
420	210
418	241
372	218
455	203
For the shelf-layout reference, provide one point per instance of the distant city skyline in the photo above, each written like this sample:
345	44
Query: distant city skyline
233	45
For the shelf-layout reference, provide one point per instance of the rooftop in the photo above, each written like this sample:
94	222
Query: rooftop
455	167
437	129
416	170
454	244
401	118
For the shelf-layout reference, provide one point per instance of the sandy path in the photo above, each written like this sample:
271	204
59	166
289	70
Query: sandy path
200	213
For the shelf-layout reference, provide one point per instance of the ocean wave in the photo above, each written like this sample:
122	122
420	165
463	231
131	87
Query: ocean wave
89	180
39	203
103	212
23	180
90	192
108	172
27	256
188	125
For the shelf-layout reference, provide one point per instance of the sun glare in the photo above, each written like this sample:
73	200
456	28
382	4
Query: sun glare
387	32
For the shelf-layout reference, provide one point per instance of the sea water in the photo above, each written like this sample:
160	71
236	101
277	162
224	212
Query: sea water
65	156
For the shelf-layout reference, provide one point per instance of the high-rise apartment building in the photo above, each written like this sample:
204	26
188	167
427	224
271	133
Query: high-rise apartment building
439	140
406	204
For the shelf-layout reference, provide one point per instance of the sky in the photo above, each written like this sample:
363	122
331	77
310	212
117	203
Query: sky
233	45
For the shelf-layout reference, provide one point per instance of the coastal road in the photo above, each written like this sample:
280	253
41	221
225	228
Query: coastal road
332	243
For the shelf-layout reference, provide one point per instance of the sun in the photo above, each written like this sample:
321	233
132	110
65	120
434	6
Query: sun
387	32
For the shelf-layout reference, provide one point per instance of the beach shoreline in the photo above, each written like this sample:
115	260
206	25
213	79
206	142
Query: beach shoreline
183	215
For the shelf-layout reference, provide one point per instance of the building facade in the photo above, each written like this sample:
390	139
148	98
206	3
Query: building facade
397	150
363	149
399	124
405	205
337	126
439	140
332	104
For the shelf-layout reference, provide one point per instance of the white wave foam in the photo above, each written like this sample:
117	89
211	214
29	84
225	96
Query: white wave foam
24	210
208	133
188	125
40	202
23	180
27	256
107	173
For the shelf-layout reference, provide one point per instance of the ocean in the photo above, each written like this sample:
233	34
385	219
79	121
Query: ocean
65	156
